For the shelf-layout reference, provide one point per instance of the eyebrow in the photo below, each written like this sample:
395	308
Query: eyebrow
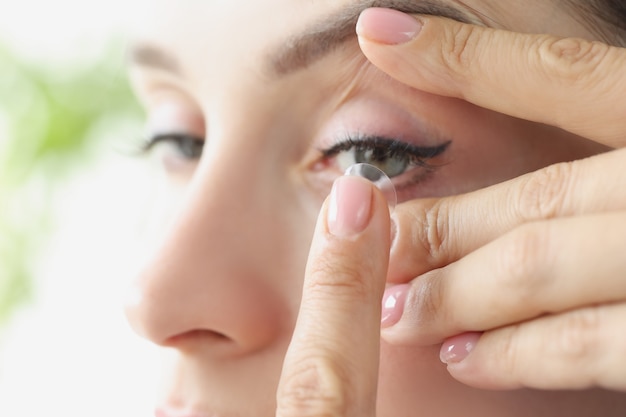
328	34
315	42
146	55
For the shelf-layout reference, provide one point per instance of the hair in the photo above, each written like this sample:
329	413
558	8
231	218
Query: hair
607	18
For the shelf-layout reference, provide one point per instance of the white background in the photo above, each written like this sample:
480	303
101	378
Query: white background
69	352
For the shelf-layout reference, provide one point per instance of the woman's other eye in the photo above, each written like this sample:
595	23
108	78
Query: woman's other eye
392	156
175	154
186	146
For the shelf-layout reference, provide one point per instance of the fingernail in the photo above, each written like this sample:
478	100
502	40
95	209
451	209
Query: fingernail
350	206
393	305
387	26
456	349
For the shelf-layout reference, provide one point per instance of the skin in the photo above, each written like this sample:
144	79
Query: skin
228	277
561	325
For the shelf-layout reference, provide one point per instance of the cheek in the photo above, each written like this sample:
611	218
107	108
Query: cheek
161	200
299	214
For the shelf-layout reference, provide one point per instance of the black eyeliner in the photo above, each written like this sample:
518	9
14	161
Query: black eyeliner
390	148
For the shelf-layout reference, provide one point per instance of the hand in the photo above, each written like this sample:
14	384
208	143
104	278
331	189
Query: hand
331	367
523	282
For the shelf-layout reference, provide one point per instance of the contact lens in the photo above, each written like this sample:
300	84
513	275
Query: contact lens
379	178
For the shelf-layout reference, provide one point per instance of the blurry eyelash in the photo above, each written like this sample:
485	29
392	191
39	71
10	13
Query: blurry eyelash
388	148
189	146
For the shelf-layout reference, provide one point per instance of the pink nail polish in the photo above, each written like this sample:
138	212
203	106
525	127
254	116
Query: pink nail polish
387	26
393	305
350	206
455	349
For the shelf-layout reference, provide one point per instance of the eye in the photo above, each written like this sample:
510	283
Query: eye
392	165
392	156
187	147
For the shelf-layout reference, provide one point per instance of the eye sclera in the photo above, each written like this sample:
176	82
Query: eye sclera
378	178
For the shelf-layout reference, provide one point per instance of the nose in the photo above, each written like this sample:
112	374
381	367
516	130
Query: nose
215	280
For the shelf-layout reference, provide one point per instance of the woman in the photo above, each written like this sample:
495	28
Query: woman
255	108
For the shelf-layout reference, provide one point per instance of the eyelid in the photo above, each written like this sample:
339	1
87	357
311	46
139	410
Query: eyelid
175	115
175	119
151	85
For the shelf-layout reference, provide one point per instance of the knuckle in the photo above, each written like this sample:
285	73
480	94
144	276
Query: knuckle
314	387
330	277
460	48
571	60
575	335
428	299
434	233
544	193
507	354
563	340
521	263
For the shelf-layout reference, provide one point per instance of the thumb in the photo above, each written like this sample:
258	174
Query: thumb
575	84
331	366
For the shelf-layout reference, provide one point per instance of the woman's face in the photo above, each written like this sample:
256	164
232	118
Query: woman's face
284	101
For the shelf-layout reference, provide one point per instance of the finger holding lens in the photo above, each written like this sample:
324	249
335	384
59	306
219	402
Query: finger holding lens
331	367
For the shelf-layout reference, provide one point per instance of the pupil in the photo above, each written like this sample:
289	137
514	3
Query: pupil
379	155
381	158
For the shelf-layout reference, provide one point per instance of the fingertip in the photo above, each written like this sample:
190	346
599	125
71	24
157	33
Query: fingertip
349	207
393	304
387	26
457	348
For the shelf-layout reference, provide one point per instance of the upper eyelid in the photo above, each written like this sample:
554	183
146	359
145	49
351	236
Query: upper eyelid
147	80
175	115
154	139
155	89
183	142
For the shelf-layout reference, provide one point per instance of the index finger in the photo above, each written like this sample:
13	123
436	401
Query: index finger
574	84
331	366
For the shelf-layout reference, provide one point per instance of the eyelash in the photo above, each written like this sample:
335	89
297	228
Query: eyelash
388	148
381	148
189	146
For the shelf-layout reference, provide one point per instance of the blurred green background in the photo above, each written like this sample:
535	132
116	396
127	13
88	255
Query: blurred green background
48	117
72	200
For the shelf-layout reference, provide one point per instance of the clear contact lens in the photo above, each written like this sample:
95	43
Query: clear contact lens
379	178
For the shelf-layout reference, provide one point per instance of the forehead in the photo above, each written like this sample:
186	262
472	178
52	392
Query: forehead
239	15
243	32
